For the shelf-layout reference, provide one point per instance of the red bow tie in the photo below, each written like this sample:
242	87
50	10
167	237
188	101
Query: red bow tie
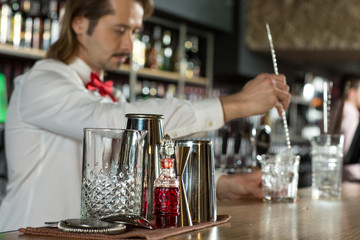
105	88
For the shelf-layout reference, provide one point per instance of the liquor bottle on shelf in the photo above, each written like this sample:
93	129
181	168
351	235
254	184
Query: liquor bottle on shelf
15	5
171	91
161	90
17	23
45	7
52	9
5	22
35	13
138	54
146	40
143	90
49	10
153	90
26	6
28	32
26	28
26	36
37	36
35	8
155	58
195	59
166	188
46	35
192	54
167	51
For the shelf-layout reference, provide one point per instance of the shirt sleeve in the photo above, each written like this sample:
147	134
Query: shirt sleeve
349	125
53	99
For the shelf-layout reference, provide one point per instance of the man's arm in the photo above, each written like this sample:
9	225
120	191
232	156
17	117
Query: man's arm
257	97
233	187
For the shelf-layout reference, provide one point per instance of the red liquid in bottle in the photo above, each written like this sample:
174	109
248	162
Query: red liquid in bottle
166	206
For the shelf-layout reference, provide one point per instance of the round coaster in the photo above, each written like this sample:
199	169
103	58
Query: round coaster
90	226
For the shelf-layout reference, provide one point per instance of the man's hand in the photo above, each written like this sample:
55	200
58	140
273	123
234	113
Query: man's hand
233	187
258	96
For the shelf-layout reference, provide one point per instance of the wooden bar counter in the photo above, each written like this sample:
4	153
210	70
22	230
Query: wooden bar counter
305	219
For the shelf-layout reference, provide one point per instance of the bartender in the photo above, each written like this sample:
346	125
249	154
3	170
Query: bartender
60	96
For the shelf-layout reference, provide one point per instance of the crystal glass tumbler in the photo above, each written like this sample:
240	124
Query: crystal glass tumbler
327	165
280	177
112	172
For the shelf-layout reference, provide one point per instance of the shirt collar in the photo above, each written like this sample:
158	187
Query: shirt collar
83	70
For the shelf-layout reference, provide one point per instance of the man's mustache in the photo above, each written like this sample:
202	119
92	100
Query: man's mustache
124	54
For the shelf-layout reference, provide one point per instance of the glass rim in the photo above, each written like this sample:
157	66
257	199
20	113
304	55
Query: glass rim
329	135
271	158
184	142
144	115
111	130
328	140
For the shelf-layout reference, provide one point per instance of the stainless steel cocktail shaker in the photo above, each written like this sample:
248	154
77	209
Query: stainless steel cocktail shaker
199	180
152	123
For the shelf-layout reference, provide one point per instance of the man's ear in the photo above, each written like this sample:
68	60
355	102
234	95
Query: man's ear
80	25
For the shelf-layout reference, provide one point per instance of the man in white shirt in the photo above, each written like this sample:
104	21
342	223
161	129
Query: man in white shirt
51	106
349	123
350	114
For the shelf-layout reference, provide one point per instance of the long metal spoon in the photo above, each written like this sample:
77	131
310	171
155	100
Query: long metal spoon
129	220
276	71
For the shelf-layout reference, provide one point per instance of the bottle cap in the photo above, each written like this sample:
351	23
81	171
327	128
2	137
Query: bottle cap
166	147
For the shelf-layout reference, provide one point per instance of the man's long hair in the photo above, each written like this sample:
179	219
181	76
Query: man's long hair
66	47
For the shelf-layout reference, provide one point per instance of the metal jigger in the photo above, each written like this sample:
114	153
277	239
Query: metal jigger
182	156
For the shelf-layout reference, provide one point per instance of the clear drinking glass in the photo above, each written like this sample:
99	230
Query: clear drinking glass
112	173
280	177
327	162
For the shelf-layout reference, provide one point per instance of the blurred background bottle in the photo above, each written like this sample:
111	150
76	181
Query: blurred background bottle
29	23
139	52
17	22
49	9
155	57
167	52
35	12
192	56
5	22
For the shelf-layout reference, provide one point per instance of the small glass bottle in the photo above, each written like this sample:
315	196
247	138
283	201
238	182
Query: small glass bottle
166	189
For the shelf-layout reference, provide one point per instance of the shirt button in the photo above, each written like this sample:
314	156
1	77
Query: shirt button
210	123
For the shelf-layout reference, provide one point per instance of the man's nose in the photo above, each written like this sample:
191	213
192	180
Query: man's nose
126	42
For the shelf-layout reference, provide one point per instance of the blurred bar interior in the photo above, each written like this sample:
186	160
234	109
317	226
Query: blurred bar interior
204	48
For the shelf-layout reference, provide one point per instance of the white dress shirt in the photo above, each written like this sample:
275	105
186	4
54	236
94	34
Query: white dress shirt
349	124
350	121
48	111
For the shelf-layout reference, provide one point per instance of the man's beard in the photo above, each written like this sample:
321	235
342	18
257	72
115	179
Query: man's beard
110	67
